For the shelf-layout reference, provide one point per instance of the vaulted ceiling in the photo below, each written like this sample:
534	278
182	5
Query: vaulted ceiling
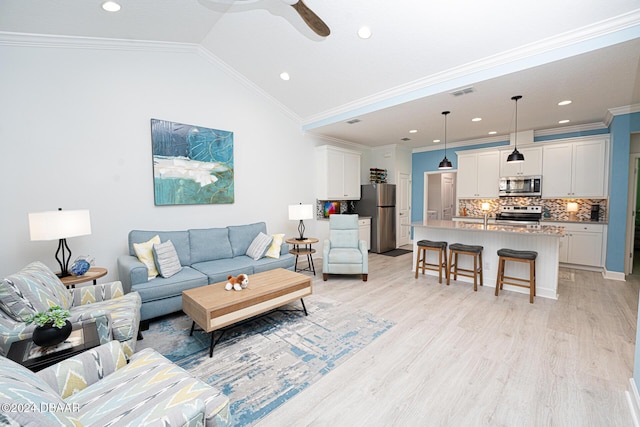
403	76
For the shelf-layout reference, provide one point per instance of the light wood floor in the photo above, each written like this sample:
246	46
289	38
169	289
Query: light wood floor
461	358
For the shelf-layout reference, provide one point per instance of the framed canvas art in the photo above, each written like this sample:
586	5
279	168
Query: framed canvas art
192	165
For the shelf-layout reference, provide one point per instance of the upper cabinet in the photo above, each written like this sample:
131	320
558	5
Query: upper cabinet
478	174
338	173
576	169
532	164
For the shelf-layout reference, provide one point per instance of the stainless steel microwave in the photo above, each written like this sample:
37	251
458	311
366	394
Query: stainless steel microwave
516	186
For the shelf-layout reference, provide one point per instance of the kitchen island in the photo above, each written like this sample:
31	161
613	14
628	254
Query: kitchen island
543	239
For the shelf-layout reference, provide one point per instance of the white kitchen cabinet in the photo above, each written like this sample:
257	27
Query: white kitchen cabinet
364	231
582	244
532	164
338	173
576	169
478	175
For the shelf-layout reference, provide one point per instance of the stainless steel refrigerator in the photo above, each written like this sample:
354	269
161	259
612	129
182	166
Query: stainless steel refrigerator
379	202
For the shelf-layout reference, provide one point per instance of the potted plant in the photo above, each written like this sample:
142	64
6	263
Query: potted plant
52	326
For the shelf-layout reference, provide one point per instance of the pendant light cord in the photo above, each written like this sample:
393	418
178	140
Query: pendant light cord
515	137
445	133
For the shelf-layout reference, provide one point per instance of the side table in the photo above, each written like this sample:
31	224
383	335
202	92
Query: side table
93	273
305	250
26	353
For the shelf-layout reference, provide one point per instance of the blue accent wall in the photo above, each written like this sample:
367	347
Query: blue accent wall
428	161
571	135
620	129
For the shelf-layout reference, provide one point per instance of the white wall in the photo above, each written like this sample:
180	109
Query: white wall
75	134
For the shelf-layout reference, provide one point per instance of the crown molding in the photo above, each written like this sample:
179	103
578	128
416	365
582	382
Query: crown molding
458	144
570	129
505	138
618	111
339	141
94	43
564	45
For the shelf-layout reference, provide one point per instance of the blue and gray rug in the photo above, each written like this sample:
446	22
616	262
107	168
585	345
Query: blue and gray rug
265	362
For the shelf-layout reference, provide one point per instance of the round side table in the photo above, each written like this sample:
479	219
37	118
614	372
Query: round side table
94	273
306	249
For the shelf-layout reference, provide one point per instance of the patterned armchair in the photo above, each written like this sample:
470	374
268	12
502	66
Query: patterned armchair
343	252
99	388
35	288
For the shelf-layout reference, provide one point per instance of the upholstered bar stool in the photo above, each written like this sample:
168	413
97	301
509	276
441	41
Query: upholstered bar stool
517	256
470	250
421	258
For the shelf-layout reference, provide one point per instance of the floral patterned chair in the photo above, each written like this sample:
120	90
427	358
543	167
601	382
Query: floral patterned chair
35	288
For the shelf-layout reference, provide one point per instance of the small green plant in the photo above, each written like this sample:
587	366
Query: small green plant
56	316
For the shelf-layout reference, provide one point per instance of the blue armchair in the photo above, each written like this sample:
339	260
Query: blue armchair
344	252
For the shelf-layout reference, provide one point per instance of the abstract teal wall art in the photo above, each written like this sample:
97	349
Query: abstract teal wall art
192	165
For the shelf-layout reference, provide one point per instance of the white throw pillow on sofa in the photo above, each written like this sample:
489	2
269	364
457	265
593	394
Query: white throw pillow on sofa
167	259
259	246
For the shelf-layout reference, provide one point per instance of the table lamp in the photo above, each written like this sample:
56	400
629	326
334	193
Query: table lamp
60	225
572	208
300	212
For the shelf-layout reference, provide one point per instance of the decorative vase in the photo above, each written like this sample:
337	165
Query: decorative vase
81	265
49	335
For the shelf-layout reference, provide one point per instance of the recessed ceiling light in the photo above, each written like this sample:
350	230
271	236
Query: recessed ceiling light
493	132
436	140
564	121
111	6
285	76
476	119
364	32
565	102
413	131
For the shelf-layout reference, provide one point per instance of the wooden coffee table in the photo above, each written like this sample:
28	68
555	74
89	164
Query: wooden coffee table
213	308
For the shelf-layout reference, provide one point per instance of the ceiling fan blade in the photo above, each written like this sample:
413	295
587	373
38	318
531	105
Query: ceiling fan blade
312	20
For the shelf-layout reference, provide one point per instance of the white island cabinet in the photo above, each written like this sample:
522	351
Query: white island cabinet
542	238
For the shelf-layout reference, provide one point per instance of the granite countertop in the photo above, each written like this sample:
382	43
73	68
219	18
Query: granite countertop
576	221
359	217
543	220
549	230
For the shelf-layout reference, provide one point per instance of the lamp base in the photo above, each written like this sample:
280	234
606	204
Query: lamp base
301	238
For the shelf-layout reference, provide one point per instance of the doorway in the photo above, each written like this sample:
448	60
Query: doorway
403	204
439	195
632	252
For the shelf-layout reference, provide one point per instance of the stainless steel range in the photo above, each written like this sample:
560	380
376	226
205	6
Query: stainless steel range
519	215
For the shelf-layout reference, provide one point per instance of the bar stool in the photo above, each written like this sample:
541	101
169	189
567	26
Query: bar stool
517	256
421	258
471	250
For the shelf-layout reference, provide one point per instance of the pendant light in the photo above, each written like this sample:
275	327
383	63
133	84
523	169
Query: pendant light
445	163
516	156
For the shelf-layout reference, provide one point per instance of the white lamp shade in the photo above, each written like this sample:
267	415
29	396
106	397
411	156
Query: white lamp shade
572	207
54	225
298	212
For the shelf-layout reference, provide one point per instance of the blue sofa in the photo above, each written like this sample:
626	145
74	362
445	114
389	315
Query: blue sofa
206	255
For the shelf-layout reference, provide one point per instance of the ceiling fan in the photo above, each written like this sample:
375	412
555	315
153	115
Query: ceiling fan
308	16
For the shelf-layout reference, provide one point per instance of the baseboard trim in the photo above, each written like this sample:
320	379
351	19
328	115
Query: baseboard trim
613	275
633	398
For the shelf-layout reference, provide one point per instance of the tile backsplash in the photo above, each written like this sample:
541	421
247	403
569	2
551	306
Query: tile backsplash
345	206
557	208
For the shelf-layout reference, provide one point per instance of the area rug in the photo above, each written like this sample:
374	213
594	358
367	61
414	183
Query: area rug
266	361
396	252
